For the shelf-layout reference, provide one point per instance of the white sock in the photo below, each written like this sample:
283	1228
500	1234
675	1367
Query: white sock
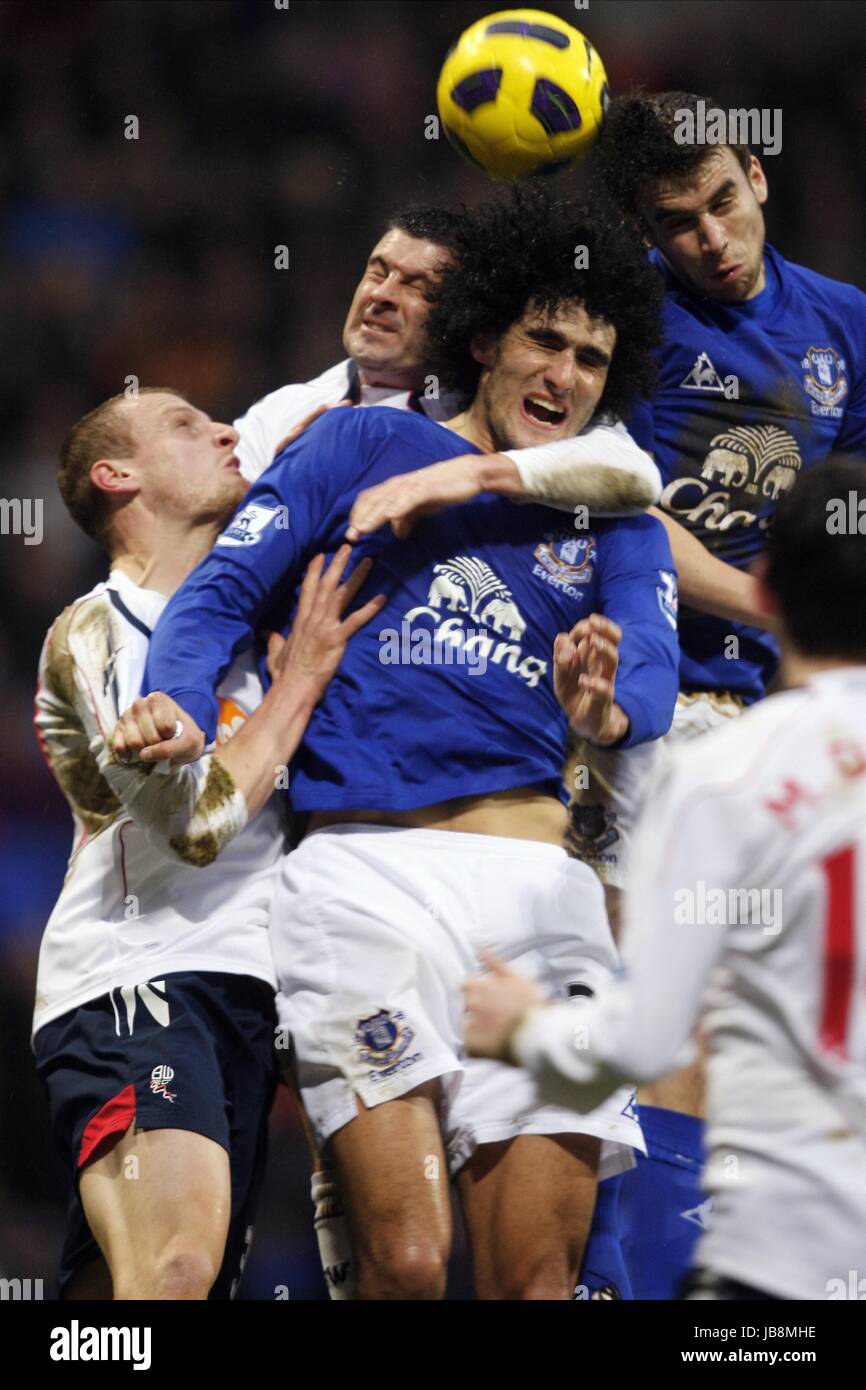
332	1233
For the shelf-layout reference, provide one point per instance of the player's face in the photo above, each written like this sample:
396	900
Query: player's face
384	326
184	462
710	229
544	378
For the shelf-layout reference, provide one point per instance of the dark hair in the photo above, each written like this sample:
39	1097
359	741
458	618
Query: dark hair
426	223
520	251
105	432
637	146
816	566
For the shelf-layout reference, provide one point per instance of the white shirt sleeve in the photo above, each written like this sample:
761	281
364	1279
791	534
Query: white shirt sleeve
189	814
265	425
642	1026
602	469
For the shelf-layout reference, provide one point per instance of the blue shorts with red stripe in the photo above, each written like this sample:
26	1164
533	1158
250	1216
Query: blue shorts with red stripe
189	1051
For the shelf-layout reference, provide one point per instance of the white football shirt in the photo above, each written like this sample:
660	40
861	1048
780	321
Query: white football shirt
747	913
145	893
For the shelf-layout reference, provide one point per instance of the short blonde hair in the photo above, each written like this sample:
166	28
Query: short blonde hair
105	432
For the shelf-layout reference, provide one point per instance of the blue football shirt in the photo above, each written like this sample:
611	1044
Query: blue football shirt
750	395
449	691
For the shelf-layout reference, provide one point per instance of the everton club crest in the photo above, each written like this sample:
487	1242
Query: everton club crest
825	379
567	557
382	1038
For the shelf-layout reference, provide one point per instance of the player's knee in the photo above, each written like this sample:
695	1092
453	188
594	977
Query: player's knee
184	1272
540	1274
402	1268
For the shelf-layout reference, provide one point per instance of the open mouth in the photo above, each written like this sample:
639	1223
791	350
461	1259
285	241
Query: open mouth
541	410
728	274
374	326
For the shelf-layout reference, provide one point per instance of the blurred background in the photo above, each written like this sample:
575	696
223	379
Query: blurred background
261	126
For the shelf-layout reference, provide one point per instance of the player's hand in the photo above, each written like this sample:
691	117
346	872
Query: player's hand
585	662
148	732
305	425
314	648
404	499
496	1004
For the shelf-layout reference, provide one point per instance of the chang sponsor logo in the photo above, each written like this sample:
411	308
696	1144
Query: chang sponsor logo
748	464
473	610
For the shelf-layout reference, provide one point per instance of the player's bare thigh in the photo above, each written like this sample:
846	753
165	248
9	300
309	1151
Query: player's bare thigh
681	1090
158	1203
528	1205
393	1179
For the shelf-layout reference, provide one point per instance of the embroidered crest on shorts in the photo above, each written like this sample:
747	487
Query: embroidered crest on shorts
591	829
383	1038
159	1079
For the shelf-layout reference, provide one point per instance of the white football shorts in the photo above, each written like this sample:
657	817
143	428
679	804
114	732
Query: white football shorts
609	786
374	929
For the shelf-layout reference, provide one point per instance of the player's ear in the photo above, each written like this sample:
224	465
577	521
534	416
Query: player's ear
114	476
483	350
757	178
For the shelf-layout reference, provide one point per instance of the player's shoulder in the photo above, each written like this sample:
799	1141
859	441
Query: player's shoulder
378	425
114	608
640	537
82	626
87	610
405	424
740	754
810	284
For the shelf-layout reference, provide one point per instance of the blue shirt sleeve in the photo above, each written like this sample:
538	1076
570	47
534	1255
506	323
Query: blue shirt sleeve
295	509
638	590
852	436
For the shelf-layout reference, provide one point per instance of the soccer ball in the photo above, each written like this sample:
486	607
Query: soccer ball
522	91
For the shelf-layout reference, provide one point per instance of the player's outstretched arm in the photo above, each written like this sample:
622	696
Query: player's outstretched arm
562	1045
709	584
602	470
301	667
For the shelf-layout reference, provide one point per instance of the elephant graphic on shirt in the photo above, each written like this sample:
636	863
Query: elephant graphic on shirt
733	467
780	479
502	613
445	590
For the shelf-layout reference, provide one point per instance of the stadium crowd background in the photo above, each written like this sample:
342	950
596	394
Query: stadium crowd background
262	126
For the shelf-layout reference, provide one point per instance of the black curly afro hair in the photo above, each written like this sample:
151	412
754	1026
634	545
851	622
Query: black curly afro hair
637	146
519	251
